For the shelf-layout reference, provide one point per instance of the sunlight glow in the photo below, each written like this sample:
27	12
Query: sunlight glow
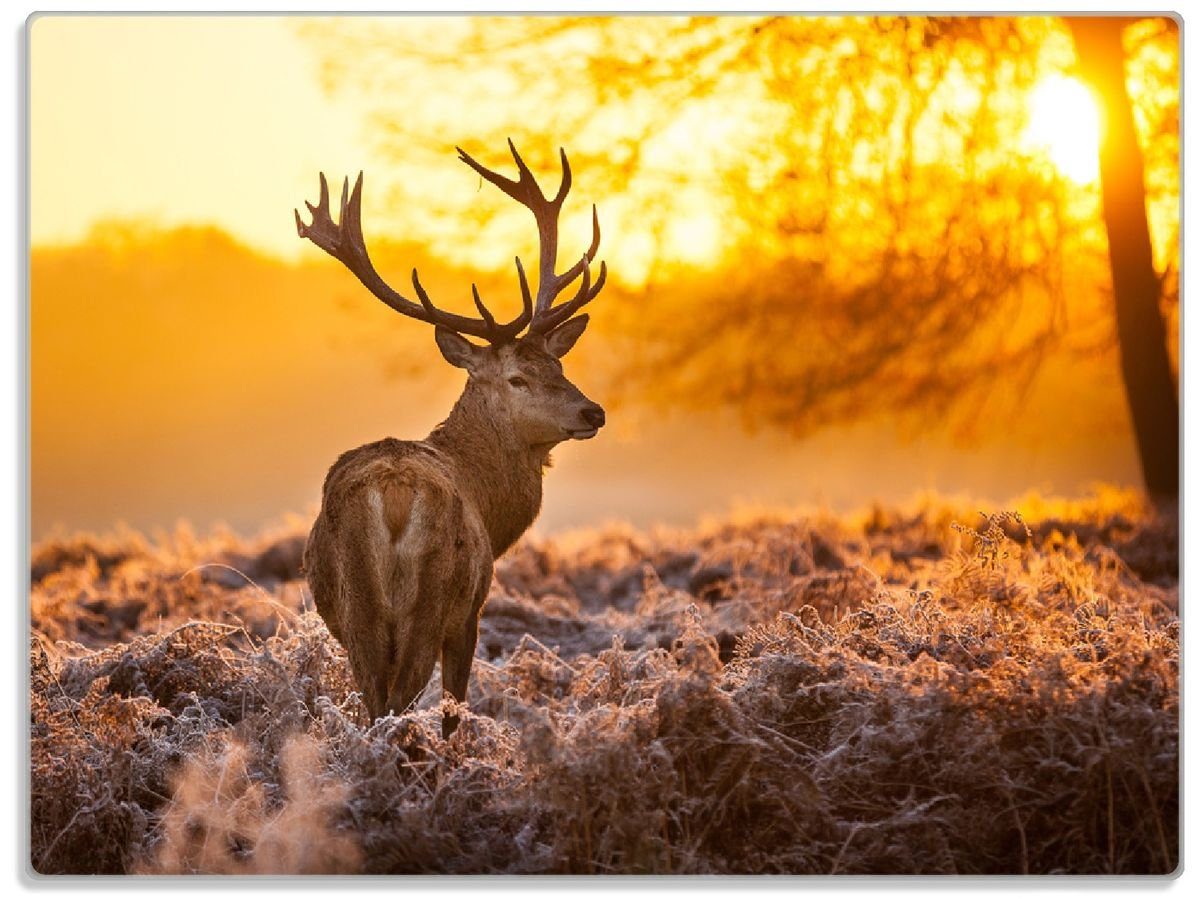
695	239
1064	123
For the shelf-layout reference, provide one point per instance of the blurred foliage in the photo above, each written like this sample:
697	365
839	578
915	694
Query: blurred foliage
180	373
834	216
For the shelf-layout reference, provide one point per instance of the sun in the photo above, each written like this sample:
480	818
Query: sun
1064	123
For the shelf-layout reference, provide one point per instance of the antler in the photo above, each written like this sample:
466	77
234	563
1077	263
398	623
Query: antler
525	190
344	241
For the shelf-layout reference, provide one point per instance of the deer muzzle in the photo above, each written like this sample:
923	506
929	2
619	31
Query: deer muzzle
591	417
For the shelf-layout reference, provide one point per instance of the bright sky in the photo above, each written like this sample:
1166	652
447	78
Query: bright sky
222	120
180	119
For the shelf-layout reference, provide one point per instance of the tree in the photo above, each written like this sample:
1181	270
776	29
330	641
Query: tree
880	241
1145	364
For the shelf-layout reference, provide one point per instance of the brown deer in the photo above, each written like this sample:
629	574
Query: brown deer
400	556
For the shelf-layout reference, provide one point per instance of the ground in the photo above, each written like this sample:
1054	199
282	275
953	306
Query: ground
934	690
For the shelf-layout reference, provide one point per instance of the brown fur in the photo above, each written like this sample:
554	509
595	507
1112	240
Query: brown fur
400	556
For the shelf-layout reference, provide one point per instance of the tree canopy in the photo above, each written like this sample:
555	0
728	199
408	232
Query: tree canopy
815	219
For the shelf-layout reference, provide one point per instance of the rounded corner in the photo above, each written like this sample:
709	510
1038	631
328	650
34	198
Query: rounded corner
33	18
30	873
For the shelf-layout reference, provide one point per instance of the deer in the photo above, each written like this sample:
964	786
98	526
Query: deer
400	557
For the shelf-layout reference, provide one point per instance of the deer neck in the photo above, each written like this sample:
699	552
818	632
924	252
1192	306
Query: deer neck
499	473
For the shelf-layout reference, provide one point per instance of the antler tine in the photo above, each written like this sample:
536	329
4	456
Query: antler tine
516	189
483	310
344	241
525	176
426	302
320	210
351	219
492	332
322	204
528	193
565	186
586	293
526	296
564	280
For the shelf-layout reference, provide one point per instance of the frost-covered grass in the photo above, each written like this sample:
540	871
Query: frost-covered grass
929	691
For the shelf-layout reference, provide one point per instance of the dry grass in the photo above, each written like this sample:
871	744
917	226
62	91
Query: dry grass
927	692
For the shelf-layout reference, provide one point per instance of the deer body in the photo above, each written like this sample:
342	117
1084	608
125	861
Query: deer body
399	559
398	563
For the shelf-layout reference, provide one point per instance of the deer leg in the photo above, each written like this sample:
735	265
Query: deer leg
360	592
368	650
458	653
416	654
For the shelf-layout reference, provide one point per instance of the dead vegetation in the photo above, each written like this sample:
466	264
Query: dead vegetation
929	692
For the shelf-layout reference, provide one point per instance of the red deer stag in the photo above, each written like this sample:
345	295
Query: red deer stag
400	557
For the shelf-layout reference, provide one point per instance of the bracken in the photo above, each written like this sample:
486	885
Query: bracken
929	691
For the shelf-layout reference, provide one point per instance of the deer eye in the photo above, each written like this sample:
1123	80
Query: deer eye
518	381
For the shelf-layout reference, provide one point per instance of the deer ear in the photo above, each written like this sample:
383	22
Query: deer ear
563	337
456	349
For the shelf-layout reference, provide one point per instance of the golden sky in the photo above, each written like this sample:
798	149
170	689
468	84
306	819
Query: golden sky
222	120
180	119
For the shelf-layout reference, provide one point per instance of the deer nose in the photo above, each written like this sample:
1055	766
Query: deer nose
593	415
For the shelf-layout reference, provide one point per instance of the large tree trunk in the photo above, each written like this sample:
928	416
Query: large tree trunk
1145	365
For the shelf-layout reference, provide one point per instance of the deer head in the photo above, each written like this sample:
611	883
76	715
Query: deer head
517	372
